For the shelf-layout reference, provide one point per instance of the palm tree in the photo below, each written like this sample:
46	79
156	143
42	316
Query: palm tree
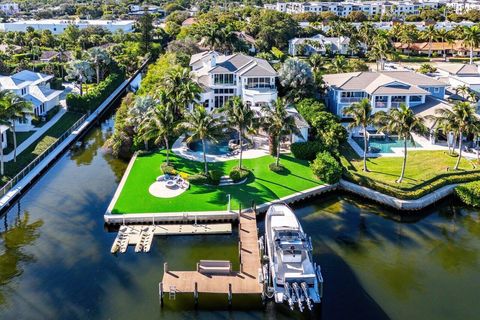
201	125
139	113
462	118
445	36
277	122
367	33
380	49
98	57
403	122
471	38
181	88
80	71
339	64
429	34
158	125
16	108
361	113
241	117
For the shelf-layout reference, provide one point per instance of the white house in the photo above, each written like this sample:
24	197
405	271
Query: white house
33	87
222	77
9	8
459	74
318	44
59	26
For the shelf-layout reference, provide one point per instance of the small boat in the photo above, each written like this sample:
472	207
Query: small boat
290	273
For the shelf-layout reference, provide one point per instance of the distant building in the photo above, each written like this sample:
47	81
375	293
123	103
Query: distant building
59	26
462	6
455	48
33	87
318	44
9	8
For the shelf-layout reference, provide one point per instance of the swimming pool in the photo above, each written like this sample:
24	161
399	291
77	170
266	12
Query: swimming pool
384	145
216	148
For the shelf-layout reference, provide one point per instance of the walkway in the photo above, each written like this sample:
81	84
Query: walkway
38	133
245	281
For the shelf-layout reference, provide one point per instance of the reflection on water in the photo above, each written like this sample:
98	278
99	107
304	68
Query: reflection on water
55	259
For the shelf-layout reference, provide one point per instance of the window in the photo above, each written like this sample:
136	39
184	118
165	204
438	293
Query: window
223	79
258	83
381	101
436	90
415	98
221	96
24	91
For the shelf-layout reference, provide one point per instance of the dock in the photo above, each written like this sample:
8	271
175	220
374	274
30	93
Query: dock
244	281
141	236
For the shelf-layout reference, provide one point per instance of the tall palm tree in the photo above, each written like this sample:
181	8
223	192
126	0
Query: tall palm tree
429	34
445	36
80	71
361	113
367	34
241	117
339	64
379	50
139	113
471	38
201	125
278	122
98	57
16	109
462	118
403	122
158	124
181	88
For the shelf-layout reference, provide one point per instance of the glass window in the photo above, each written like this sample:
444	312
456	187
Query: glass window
223	79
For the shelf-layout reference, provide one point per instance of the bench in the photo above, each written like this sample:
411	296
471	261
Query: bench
214	266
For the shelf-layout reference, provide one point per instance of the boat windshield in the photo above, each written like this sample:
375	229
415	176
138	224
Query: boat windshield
288	235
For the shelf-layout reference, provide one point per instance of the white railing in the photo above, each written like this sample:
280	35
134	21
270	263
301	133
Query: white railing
12	182
351	100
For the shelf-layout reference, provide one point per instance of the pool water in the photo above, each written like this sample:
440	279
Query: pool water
217	148
380	145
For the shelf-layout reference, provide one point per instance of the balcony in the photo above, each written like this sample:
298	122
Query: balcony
256	95
351	99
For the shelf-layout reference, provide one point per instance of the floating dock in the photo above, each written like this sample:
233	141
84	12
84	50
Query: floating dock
217	276
141	236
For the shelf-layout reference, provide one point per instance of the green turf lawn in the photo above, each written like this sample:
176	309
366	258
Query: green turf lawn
425	171
264	187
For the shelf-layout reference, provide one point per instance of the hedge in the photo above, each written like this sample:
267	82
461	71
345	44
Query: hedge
469	193
238	175
326	168
214	177
92	100
197	179
306	150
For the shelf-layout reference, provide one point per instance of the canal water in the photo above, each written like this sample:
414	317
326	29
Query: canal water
55	259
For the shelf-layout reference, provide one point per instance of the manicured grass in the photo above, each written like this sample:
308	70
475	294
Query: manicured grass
21	136
39	146
425	172
263	187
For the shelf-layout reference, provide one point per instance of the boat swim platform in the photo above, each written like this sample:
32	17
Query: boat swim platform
141	236
244	281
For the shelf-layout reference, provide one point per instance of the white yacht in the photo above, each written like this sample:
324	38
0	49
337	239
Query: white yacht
290	274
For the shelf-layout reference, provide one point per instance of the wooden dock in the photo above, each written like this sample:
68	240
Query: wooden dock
245	281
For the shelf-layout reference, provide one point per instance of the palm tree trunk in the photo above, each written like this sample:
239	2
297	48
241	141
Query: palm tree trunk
402	174
459	151
167	148
205	156
1	154
365	148
14	142
471	55
429	48
241	148
97	69
145	142
454	146
277	162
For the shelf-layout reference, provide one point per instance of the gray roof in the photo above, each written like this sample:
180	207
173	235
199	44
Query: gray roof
244	65
459	68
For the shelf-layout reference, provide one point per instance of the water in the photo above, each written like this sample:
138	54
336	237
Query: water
218	148
55	259
380	145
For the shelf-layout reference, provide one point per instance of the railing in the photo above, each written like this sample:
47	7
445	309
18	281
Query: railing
351	100
12	182
396	104
256	87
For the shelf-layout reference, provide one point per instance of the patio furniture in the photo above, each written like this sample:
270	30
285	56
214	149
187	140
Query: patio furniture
161	178
171	184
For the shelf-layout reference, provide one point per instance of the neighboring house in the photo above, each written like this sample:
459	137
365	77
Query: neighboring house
59	26
33	87
318	44
222	77
248	39
459	74
9	8
10	48
455	48
188	22
385	90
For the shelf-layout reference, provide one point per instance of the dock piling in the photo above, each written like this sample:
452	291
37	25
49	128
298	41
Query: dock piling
165	267
160	293
195	294
230	294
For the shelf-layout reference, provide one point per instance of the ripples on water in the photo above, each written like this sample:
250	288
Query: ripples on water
55	259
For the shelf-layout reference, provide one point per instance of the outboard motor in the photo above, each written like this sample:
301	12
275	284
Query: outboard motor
307	297
296	289
288	295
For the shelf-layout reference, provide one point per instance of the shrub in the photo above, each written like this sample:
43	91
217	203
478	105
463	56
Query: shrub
309	107
238	175
57	84
326	168
306	150
168	169
92	100
277	169
214	176
469	193
198	179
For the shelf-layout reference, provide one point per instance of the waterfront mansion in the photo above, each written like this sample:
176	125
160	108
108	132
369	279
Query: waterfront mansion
224	76
33	87
385	89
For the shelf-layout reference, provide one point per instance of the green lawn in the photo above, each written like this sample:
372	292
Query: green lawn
21	136
425	172
39	146
263	187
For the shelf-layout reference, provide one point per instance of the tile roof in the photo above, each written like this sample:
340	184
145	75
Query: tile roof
458	68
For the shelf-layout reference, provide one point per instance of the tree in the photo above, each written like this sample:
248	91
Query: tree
329	130
241	117
404	123
201	125
361	113
16	108
139	113
277	122
338	64
429	34
445	36
380	48
471	38
145	25
98	57
80	71
158	125
462	118
296	78
181	88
